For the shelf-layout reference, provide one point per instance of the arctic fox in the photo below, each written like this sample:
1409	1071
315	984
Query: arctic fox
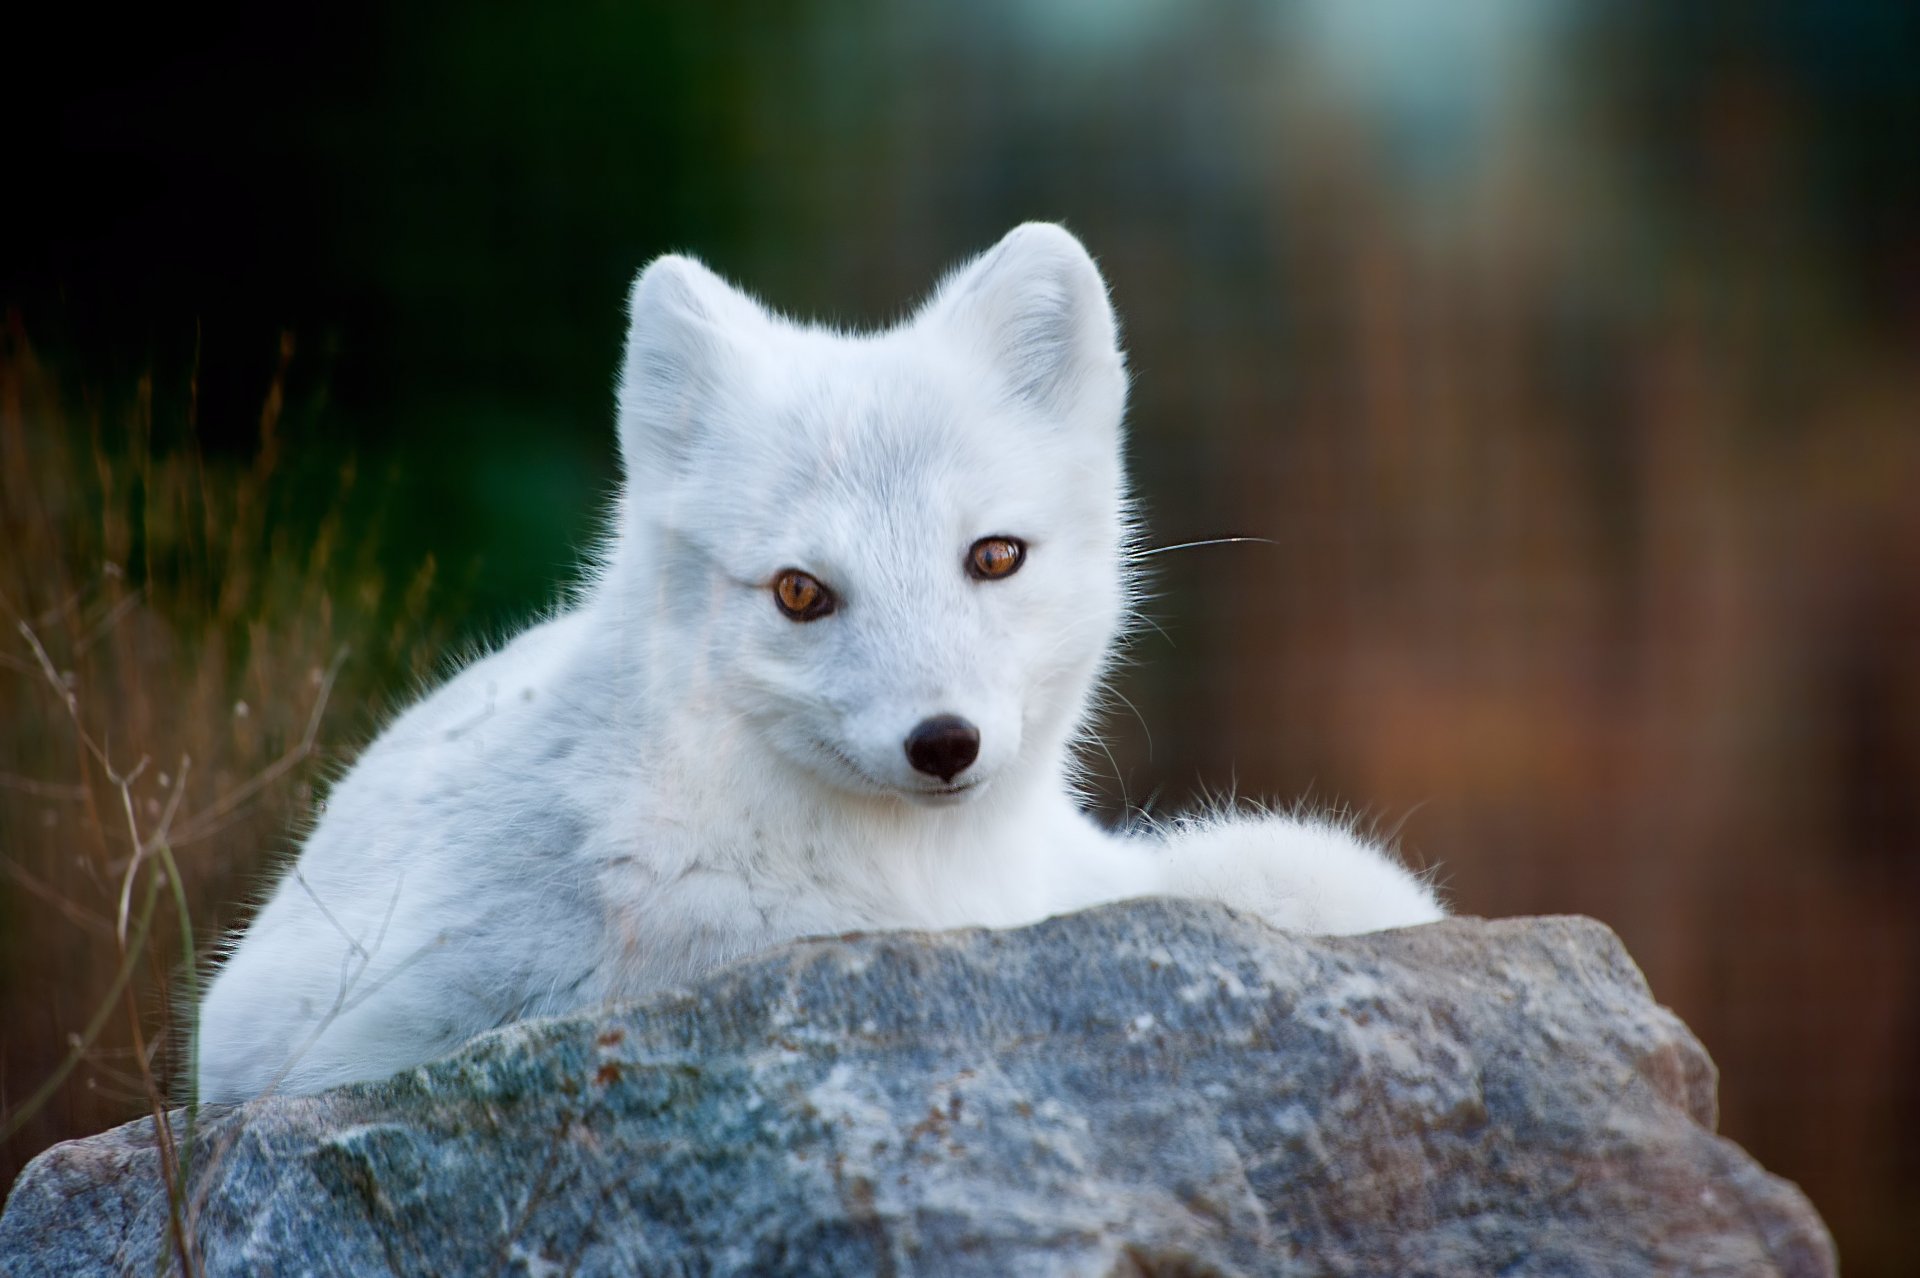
857	598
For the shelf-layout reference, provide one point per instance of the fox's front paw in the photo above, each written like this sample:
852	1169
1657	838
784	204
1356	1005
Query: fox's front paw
1304	874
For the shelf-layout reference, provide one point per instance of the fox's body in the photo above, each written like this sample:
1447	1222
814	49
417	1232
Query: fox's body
857	600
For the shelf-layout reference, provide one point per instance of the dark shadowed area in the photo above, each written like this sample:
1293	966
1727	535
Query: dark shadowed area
1566	353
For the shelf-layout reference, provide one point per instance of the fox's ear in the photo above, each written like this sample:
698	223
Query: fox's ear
685	326
1035	306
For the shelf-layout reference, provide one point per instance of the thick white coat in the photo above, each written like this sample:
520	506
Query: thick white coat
672	773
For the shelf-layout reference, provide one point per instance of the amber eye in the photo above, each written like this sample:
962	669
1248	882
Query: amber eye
992	558
801	596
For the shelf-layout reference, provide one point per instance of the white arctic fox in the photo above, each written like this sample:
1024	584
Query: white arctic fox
858	596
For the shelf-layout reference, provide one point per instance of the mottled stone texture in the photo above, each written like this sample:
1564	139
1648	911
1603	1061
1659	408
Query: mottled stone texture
1154	1088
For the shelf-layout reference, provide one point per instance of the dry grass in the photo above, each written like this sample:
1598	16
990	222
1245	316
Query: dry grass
174	650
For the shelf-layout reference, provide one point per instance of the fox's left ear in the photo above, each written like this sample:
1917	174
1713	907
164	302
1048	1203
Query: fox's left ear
1035	307
686	330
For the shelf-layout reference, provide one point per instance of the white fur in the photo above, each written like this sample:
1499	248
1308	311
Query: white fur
672	773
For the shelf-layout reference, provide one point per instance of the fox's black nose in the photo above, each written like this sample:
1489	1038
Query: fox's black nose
943	746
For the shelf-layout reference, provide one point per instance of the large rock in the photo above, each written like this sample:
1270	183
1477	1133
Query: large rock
1154	1088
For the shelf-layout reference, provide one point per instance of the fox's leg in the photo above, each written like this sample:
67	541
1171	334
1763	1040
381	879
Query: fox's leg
1303	874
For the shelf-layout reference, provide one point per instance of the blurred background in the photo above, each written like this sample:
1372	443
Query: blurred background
1567	352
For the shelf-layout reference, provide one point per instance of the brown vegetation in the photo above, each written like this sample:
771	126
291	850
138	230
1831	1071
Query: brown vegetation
169	670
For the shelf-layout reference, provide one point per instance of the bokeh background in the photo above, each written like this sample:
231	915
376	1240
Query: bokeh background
1567	352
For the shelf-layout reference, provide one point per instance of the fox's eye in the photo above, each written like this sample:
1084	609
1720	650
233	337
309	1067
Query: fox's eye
991	558
801	596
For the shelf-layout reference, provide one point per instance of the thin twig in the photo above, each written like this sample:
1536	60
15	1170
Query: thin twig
54	897
124	783
140	848
60	610
210	821
328	914
68	698
144	920
69	790
161	832
190	978
113	618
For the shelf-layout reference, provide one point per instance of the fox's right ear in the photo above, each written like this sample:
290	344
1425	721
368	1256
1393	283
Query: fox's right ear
684	325
1035	307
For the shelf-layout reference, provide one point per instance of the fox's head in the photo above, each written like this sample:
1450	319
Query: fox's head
896	559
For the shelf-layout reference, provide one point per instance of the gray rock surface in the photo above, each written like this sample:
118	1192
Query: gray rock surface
1158	1088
